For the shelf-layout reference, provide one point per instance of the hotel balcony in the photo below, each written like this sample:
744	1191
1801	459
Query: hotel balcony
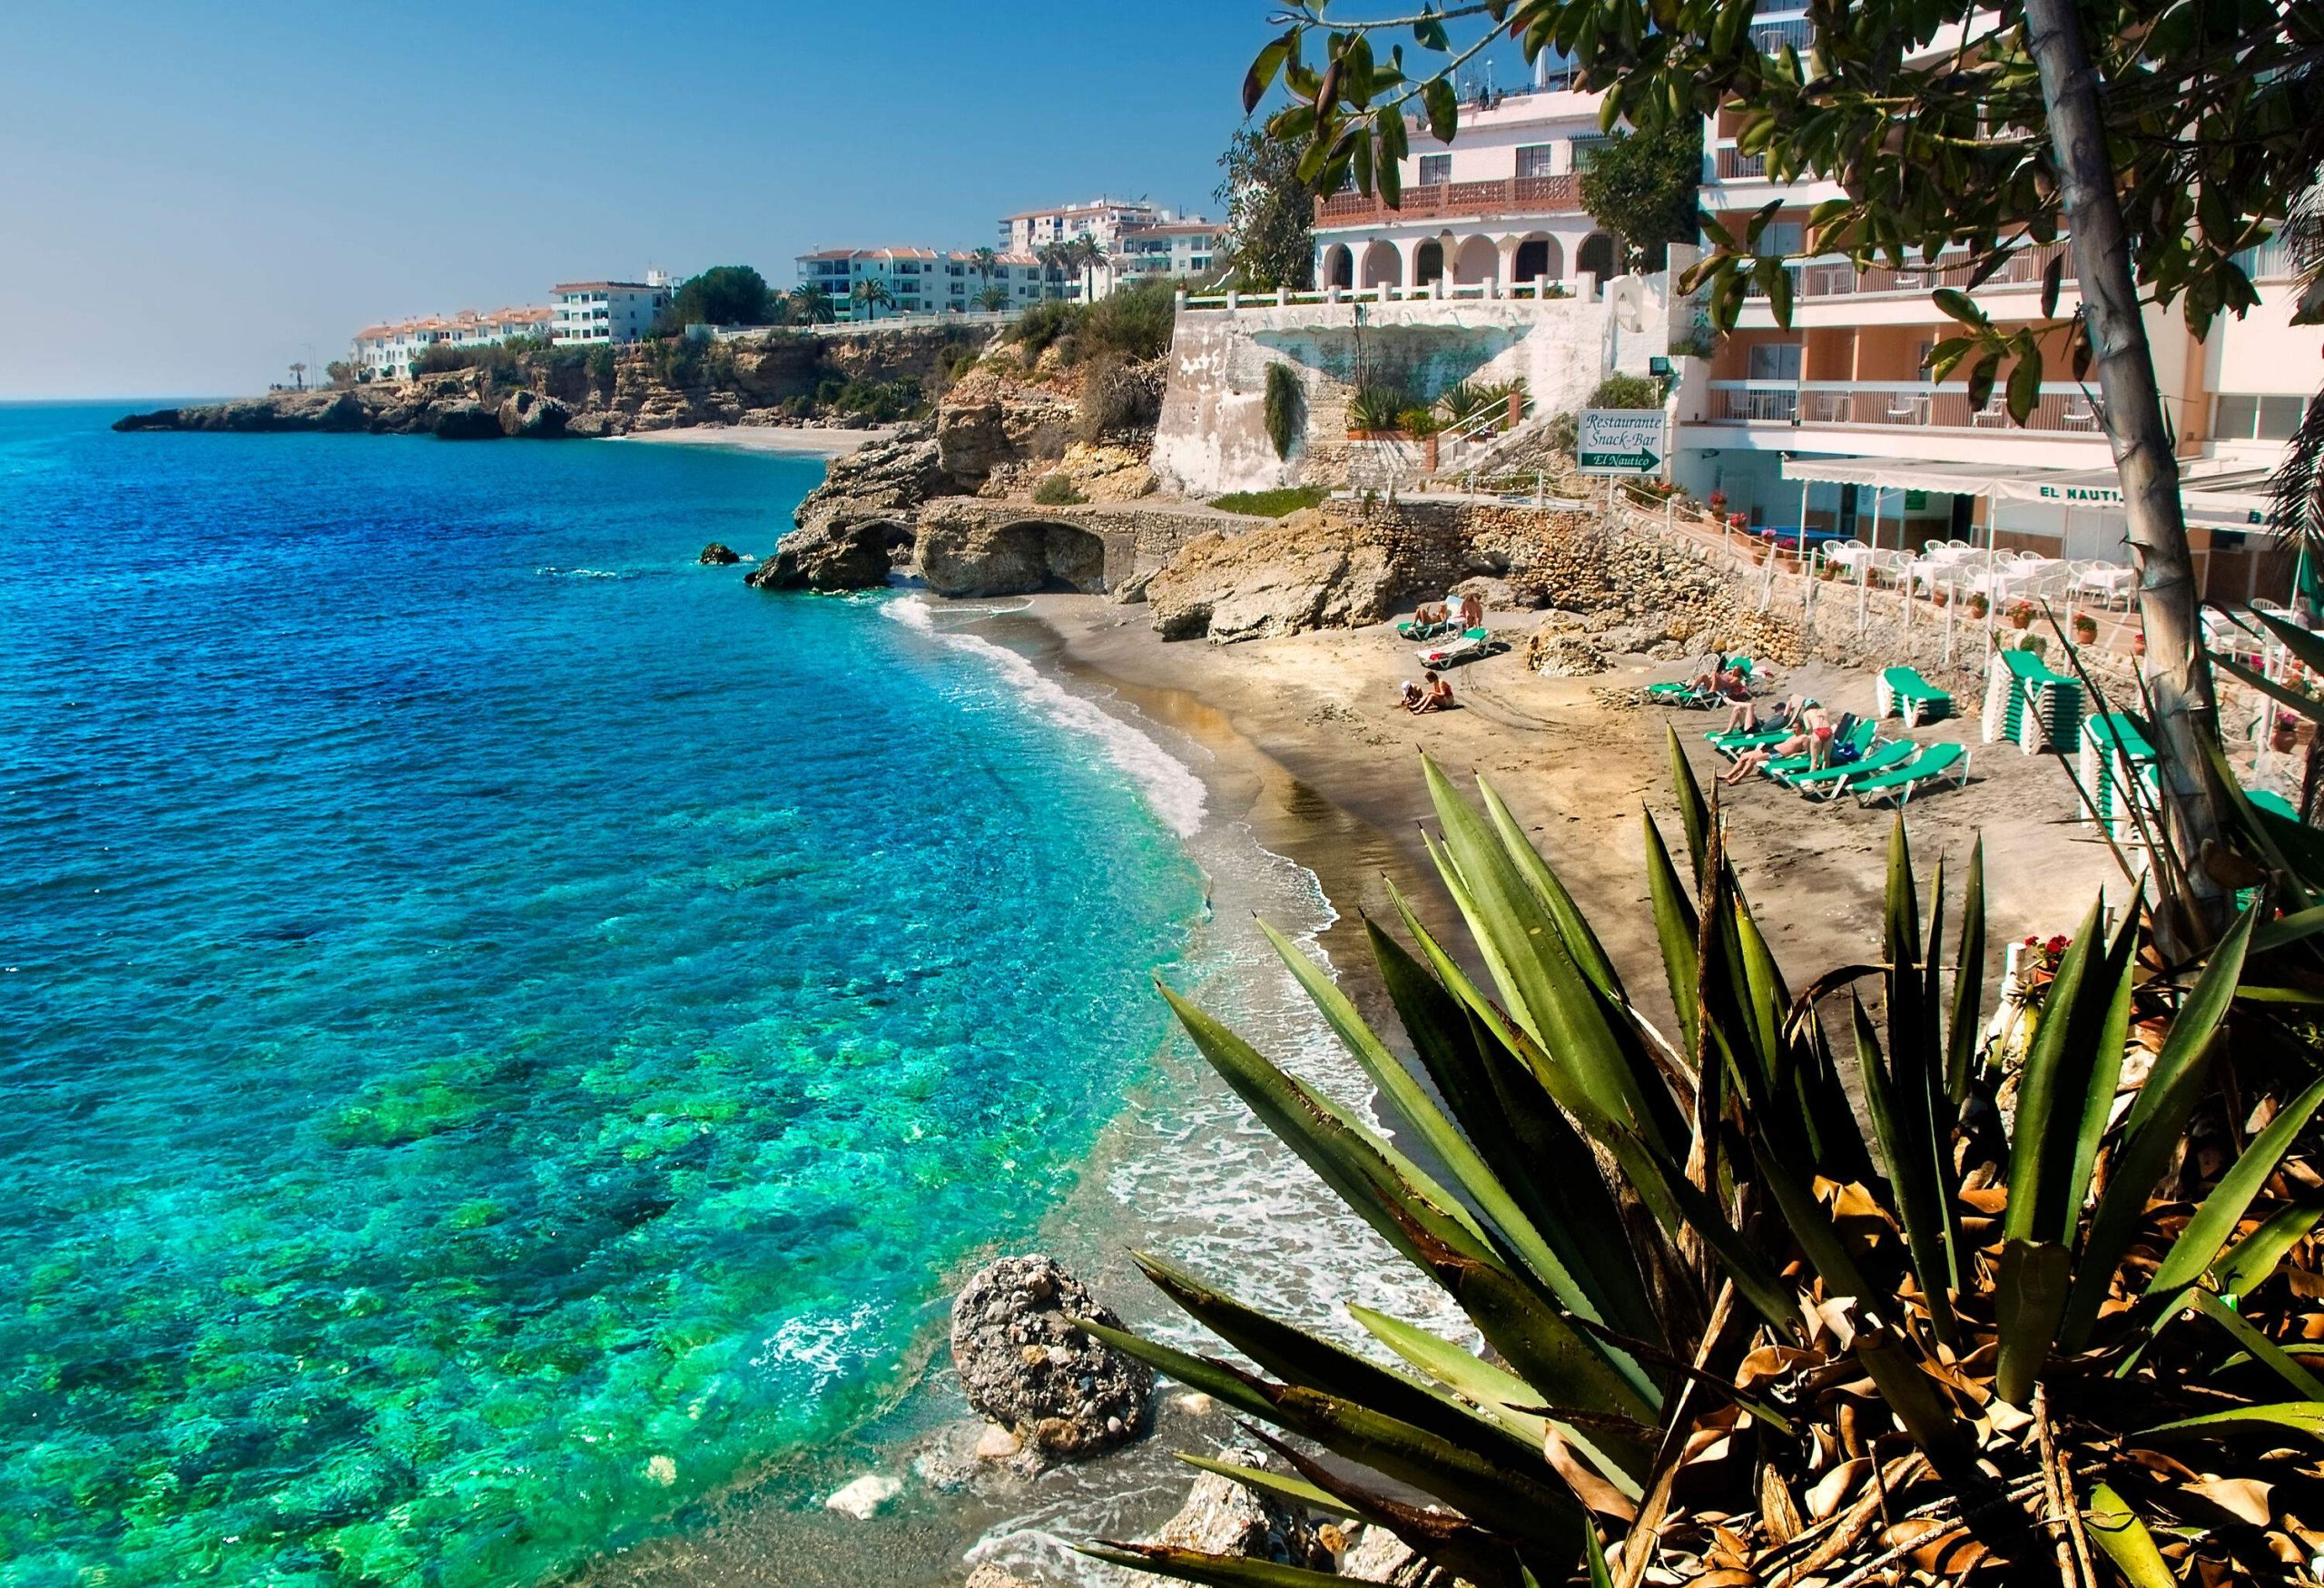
1823	291
1482	201
2062	409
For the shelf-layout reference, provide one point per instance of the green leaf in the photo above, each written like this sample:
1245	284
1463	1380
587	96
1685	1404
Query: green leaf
1262	75
1676	926
2294	1417
2024	385
1579	940
2029	1300
2255	1255
1293	1490
1959	305
2115	1528
1694	811
2215	1220
1595	1553
2154	1128
1968	982
1443	109
2050	1096
2263	1349
1219	1571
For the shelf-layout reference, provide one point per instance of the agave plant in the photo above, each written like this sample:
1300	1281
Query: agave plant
2010	1323
1374	407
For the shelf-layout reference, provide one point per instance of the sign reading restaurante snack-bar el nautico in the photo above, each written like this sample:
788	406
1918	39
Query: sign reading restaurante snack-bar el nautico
1621	441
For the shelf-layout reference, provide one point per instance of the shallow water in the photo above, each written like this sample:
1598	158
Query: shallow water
503	1030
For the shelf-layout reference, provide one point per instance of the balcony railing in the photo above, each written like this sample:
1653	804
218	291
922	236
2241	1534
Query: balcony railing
1516	195
1733	165
1839	279
2061	408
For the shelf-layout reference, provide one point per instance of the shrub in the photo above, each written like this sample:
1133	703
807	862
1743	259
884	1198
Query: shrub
1270	504
1057	490
1041	325
1377	406
1626	391
1286	408
1564	432
1419	422
1133	324
1115	399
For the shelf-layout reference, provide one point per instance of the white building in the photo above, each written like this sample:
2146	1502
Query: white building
1103	220
389	353
1169	248
921	281
1833	423
1499	206
609	312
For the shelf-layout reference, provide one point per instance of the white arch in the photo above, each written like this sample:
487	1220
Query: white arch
1537	256
1477	261
1599	255
1339	266
1383	266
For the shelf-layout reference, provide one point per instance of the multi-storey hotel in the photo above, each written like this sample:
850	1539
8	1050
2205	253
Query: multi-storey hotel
1140	241
920	280
389	352
609	312
1182	249
1832	423
1499	207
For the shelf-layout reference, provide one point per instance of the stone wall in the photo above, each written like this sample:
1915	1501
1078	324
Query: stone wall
1212	438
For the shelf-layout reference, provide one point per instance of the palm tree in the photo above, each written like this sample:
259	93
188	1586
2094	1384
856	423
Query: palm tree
1088	258
2300	482
808	305
985	261
1056	258
993	300
873	294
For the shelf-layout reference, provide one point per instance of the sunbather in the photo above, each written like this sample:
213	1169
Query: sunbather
1813	740
1472	612
1435	697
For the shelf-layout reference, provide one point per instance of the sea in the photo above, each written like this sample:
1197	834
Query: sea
507	1036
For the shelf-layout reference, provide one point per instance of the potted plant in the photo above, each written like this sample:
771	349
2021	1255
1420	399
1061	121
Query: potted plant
1978	605
1719	501
1374	411
2138	643
2020	614
2283	733
1422	426
2086	629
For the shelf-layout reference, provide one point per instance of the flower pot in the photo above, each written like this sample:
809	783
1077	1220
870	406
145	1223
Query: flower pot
2021	620
2282	737
2086	631
2138	643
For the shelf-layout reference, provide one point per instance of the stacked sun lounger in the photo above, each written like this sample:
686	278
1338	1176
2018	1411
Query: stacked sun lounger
2117	765
2029	705
1903	691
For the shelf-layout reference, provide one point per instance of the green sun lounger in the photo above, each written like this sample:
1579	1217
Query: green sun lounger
1830	782
1937	764
1733	744
1862	736
1678	694
2275	804
1904	693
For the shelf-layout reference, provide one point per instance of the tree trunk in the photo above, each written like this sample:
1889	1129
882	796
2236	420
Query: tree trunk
2177	668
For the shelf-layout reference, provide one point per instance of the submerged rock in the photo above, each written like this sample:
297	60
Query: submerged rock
718	554
862	1498
994	1577
1025	1366
1222	1517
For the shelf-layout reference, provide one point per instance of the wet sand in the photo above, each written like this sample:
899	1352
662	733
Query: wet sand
795	440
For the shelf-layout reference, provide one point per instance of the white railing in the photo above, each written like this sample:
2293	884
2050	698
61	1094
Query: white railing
2061	407
1538	291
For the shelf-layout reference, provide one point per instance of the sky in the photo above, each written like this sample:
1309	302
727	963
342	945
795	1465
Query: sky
193	195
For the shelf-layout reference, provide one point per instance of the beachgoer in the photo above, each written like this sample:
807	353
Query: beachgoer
1472	612
1755	760
1435	697
1707	677
1408	694
1427	617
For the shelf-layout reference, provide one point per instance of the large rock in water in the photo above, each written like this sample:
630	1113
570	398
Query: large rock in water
1023	1363
1222	1517
1303	572
965	548
468	422
828	556
718	554
530	415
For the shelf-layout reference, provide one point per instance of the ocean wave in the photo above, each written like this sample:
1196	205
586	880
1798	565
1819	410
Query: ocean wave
1170	789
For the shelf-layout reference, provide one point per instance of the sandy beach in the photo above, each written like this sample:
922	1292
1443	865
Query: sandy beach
1577	771
795	440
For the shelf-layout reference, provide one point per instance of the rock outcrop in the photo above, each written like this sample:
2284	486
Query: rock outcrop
1378	1555
993	428
1303	572
963	550
1024	1363
897	472
718	555
991	1576
831	556
468	422
1222	1517
529	415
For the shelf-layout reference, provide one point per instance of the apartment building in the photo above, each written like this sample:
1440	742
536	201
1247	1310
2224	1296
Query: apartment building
1833	424
609	312
389	352
1103	220
923	281
1169	249
1498	207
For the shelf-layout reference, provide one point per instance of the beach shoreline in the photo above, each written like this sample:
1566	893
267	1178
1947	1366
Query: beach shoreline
786	441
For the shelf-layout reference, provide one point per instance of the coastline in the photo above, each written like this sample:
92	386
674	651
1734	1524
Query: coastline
789	440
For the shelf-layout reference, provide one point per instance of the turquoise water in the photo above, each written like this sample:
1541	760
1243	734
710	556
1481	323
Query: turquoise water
501	1030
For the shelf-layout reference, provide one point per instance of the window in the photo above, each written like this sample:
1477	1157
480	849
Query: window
1585	150
1536	159
1435	170
2242	417
1774	362
1782	239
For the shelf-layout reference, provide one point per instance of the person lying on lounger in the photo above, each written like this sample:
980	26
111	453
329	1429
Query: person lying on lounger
1814	730
1743	716
1435	697
1425	615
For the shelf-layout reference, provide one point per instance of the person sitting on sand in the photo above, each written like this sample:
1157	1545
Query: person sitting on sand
1436	696
1473	611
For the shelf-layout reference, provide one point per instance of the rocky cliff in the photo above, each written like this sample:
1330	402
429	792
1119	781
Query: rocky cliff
784	376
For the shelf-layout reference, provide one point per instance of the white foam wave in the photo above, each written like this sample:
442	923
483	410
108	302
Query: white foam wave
1171	791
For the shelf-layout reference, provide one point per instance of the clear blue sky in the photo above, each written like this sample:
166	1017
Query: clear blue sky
193	195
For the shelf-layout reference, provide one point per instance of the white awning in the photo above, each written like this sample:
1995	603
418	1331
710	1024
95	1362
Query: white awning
2219	500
